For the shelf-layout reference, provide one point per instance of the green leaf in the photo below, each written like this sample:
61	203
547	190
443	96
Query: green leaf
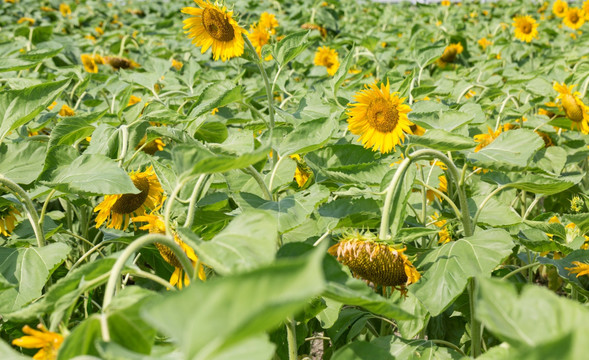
534	183
92	174
215	132
22	162
12	64
495	213
427	55
290	46
559	325
196	159
8	353
43	51
307	136
510	151
415	349
215	95
342	71
442	140
351	212
21	106
446	270
398	210
362	350
580	283
248	242
81	340
72	128
28	269
224	318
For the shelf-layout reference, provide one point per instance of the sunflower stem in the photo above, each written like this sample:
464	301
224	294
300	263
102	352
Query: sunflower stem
258	177
485	201
31	212
44	209
384	221
193	198
291	337
260	64
124	144
168	211
475	325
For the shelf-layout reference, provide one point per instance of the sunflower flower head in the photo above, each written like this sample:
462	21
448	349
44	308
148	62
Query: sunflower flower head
133	100
559	8
450	53
268	21
579	268
212	26
486	139
574	108
327	57
302	172
66	111
375	261
526	28
89	63
259	36
483	43
117	62
48	342
152	146
65	9
156	225
577	204
8	216
177	64
379	117
116	210
574	18
28	20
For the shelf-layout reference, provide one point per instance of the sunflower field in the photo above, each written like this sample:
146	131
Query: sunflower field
289	180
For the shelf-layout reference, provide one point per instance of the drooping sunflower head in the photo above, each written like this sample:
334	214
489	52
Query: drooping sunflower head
8	216
559	8
213	26
574	108
89	63
379	117
526	28
574	18
117	62
117	209
375	261
450	53
325	56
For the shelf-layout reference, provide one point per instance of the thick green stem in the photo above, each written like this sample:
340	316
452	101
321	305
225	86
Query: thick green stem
520	269
31	212
256	175
44	209
475	325
170	202
193	198
291	338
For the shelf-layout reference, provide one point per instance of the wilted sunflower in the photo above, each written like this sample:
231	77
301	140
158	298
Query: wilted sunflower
156	225
325	56
486	139
321	29
8	216
379	117
450	53
559	8
48	341
117	209
579	268
213	26
117	62
574	18
574	108
375	261
89	63
526	28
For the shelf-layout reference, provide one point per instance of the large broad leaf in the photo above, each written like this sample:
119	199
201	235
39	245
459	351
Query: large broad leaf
20	106
81	340
237	308
342	71
94	174
415	348
196	159
214	96
291	210
447	269
73	128
533	318
7	352
249	241
291	46
442	140
22	162
351	212
398	210
495	213
307	136
425	56
27	269
15	64
580	283
535	183
437	116
511	151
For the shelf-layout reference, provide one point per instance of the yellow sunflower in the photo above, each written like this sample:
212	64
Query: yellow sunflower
268	21
303	172
327	57
28	20
579	268
445	3
379	117
65	9
151	147
156	225
483	43
117	62
486	139
559	8
586	9
66	111
89	63
526	28
450	53
133	100
259	36
8	216
574	108
574	18
375	261
117	209
48	341
213	26
177	64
